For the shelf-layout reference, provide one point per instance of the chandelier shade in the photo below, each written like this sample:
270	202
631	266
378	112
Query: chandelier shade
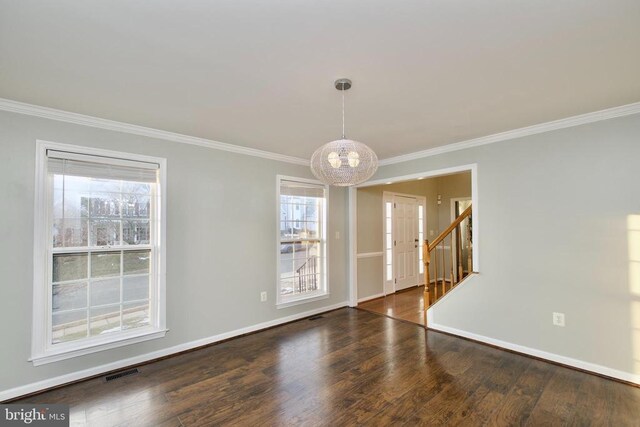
344	162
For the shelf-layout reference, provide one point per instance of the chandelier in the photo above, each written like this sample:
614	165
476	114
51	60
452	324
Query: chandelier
344	162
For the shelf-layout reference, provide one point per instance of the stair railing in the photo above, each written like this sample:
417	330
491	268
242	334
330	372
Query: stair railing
456	265
307	278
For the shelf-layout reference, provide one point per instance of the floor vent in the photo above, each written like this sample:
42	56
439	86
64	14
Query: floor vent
316	317
121	374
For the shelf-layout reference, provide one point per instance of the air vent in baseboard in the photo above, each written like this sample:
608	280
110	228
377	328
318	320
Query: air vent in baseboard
121	374
316	317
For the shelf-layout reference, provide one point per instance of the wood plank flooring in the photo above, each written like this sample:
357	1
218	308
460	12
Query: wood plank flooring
350	367
407	305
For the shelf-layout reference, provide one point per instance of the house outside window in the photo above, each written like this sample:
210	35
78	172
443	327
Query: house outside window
301	251
99	253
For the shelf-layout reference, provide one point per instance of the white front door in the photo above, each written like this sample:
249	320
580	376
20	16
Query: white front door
405	235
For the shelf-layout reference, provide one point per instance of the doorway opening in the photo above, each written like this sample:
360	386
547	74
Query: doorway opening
391	220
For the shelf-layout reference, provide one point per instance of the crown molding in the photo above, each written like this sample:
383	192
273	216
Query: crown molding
81	119
610	113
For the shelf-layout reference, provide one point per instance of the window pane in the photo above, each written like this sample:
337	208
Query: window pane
104	264
105	292
96	204
76	204
136	188
136	262
135	315
104	185
135	232
69	326
105	232
290	230
104	205
135	288
70	267
69	233
69	296
389	272
104	320
388	210
135	206
287	286
301	231
388	241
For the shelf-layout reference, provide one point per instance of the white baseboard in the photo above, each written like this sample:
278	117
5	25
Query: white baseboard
369	298
136	360
587	366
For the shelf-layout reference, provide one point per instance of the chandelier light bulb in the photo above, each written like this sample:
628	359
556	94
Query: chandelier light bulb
334	160
353	158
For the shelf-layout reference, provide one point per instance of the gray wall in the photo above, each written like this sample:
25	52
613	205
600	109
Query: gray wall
221	231
553	215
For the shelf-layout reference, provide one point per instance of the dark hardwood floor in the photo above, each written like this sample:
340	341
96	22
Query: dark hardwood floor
407	305
350	367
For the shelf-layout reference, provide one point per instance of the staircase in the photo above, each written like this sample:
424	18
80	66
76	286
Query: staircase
451	266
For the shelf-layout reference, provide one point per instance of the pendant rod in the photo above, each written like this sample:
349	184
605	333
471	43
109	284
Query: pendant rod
343	137
342	85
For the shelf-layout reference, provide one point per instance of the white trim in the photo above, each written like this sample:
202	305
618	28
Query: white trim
284	302
353	221
302	300
97	370
610	113
369	298
369	255
353	247
587	366
41	350
135	338
419	175
84	120
576	363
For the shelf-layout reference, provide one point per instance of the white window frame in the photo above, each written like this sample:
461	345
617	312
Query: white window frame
323	292
42	350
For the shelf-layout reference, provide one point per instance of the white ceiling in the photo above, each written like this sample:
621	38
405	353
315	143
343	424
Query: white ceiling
259	73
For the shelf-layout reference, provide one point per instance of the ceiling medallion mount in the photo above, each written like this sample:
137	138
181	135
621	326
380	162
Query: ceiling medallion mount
344	162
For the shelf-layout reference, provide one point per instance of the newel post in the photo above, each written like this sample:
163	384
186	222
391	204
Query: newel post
426	257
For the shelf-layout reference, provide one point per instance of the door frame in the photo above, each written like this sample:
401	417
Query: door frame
353	217
389	286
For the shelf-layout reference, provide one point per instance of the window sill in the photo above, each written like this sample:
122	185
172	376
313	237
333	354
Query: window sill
68	352
302	300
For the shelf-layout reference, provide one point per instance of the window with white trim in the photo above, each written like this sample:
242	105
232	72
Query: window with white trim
98	250
302	208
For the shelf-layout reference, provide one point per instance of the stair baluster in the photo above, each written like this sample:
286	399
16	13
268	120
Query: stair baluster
455	257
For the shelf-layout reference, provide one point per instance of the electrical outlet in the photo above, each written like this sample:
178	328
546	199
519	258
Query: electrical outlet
263	296
558	319
337	235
